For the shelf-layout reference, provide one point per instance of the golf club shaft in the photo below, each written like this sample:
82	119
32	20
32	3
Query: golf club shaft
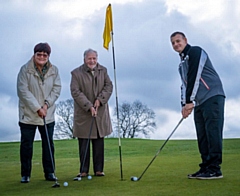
48	141
90	132
161	148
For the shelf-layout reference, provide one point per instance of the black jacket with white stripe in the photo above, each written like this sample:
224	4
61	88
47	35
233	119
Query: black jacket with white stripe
200	81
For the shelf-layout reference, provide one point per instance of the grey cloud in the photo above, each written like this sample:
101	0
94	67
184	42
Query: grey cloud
146	65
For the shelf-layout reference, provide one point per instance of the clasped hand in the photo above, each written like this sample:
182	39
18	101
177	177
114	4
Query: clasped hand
94	109
187	110
42	112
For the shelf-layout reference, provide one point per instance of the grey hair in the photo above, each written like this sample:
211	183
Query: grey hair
88	51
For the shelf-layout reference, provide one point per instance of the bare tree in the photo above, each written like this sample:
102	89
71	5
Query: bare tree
135	119
64	123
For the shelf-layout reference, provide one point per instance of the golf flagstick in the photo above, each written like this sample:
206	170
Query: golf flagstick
50	152
137	179
107	37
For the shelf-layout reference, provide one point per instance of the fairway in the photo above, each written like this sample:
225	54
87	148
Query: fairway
167	175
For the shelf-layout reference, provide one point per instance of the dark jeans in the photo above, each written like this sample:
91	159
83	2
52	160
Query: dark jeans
97	153
209	119
26	147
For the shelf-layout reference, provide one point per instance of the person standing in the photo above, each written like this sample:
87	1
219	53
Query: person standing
38	88
91	88
202	91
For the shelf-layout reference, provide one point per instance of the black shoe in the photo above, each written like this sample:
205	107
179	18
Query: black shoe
194	175
208	175
50	177
80	175
25	179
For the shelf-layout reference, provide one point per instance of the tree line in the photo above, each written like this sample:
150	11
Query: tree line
131	120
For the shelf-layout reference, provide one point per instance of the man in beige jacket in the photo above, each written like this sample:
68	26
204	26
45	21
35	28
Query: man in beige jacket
91	88
38	87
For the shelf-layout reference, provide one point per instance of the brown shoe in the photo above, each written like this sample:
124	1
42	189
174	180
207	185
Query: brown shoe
98	173
84	174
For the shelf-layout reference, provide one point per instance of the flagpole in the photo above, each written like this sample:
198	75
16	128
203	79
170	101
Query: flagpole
115	81
107	37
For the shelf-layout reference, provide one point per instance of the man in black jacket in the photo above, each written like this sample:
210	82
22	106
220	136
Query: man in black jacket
202	91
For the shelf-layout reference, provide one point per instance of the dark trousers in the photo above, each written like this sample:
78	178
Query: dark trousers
26	147
209	119
97	154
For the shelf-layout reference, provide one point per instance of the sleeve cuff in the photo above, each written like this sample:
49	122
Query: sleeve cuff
46	102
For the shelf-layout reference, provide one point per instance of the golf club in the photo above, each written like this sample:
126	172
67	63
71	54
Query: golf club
85	155
56	185
134	178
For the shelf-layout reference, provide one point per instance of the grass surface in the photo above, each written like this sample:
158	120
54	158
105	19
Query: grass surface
166	175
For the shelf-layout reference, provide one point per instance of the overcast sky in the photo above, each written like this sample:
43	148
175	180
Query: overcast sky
146	65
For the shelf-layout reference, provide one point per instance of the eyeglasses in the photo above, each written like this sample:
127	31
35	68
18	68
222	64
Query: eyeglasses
43	55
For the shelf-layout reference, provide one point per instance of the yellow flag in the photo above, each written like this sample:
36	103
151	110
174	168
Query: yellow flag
108	27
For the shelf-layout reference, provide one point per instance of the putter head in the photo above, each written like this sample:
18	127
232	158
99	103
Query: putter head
56	185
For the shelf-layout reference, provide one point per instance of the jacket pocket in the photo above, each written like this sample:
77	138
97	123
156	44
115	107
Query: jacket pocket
205	84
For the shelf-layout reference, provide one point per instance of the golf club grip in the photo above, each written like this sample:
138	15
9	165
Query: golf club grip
44	121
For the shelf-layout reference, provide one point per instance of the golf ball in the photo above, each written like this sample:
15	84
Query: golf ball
89	177
134	178
65	184
79	178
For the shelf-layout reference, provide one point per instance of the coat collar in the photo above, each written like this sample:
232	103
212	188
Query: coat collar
185	51
87	69
31	68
